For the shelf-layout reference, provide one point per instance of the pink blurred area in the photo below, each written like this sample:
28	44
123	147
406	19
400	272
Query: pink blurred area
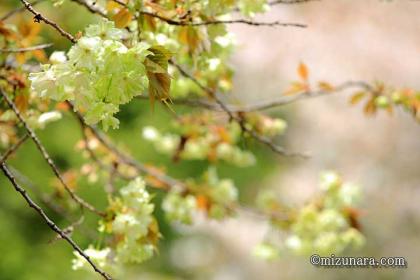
345	40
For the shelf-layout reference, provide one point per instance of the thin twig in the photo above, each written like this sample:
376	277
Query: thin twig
28	49
48	159
14	148
216	22
287	99
49	222
269	104
290	2
39	17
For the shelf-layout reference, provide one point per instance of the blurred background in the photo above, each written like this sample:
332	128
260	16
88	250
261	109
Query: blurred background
346	40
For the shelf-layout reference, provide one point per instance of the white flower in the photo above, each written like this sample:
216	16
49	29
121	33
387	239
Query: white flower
150	133
225	41
330	219
350	193
132	252
136	188
178	208
225	192
224	151
167	144
104	30
58	57
115	47
48	117
294	243
329	180
123	222
87	52
266	251
327	242
99	257
279	126
353	237
44	83
213	63
88	43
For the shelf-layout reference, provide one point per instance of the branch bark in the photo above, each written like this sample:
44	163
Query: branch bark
49	222
47	157
38	17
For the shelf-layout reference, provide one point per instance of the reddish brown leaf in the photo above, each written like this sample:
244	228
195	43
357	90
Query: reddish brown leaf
303	71
122	18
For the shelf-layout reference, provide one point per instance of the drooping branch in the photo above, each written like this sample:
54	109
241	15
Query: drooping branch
269	104
47	157
287	99
49	222
216	22
38	17
290	2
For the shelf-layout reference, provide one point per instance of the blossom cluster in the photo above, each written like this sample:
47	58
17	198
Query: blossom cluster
133	227
265	125
98	74
199	138
212	195
324	226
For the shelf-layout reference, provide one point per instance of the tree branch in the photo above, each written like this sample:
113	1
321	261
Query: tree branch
48	221
289	2
269	104
48	159
39	17
237	117
287	99
216	22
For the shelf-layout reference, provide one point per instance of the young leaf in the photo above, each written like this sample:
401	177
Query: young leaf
325	86
357	97
22	102
296	88
303	72
370	107
190	36
157	72
122	18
